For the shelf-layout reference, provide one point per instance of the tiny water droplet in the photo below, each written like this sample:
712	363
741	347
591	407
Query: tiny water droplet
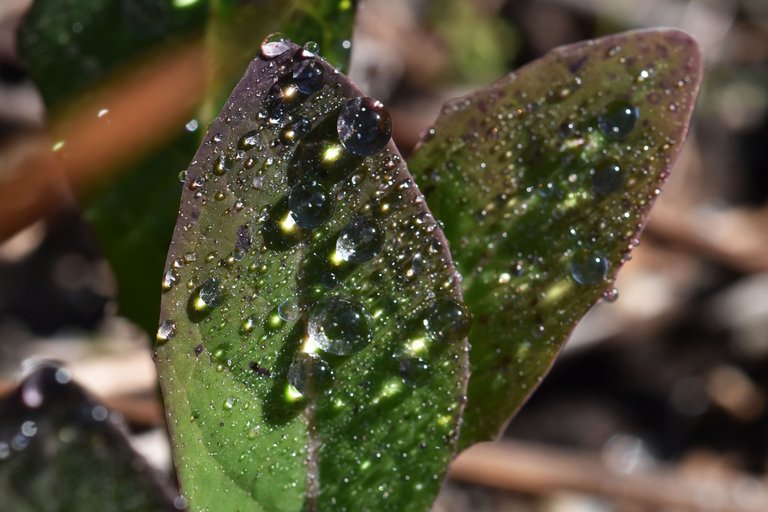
166	331
364	126
618	120
248	325
448	321
611	295
340	326
310	205
310	374
289	310
360	240
206	297
170	278
221	165
249	141
308	76
413	370
274	45
192	125
606	178
311	47
588	268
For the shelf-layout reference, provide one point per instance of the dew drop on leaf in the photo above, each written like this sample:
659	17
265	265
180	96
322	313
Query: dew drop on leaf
307	76
413	370
166	331
588	268
607	178
448	321
288	310
360	240
618	120
310	204
340	326
364	126
310	374
274	45
206	297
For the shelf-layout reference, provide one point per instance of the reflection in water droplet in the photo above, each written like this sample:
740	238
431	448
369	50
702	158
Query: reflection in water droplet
289	310
360	240
448	321
607	178
274	45
310	205
311	47
166	331
413	370
364	126
308	76
249	141
618	120
340	326
221	165
170	278
310	374
588	268
204	299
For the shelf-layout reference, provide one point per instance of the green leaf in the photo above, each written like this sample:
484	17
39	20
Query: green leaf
62	451
543	182
312	349
69	46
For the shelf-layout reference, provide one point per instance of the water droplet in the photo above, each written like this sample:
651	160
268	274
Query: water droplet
308	76
170	278
248	325
310	374
364	126
166	331
588	268
360	240
249	141
274	45
206	297
413	370
611	295
311	48
448	321
340	326
606	178
192	125
618	120
289	310
310	205
221	165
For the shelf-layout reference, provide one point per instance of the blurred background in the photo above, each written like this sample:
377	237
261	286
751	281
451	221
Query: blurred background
658	401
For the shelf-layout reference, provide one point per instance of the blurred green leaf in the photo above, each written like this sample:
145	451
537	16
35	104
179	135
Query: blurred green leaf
68	46
543	182
312	349
72	47
62	451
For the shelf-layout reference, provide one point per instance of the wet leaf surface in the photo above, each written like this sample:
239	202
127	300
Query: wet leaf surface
543	182
311	346
62	451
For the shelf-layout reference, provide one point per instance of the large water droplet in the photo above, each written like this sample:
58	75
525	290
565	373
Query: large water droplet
206	297
308	76
340	326
310	374
606	178
169	279
364	126
413	370
588	268
289	310
448	321
166	331
274	45
360	240
221	165
310	205
618	120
